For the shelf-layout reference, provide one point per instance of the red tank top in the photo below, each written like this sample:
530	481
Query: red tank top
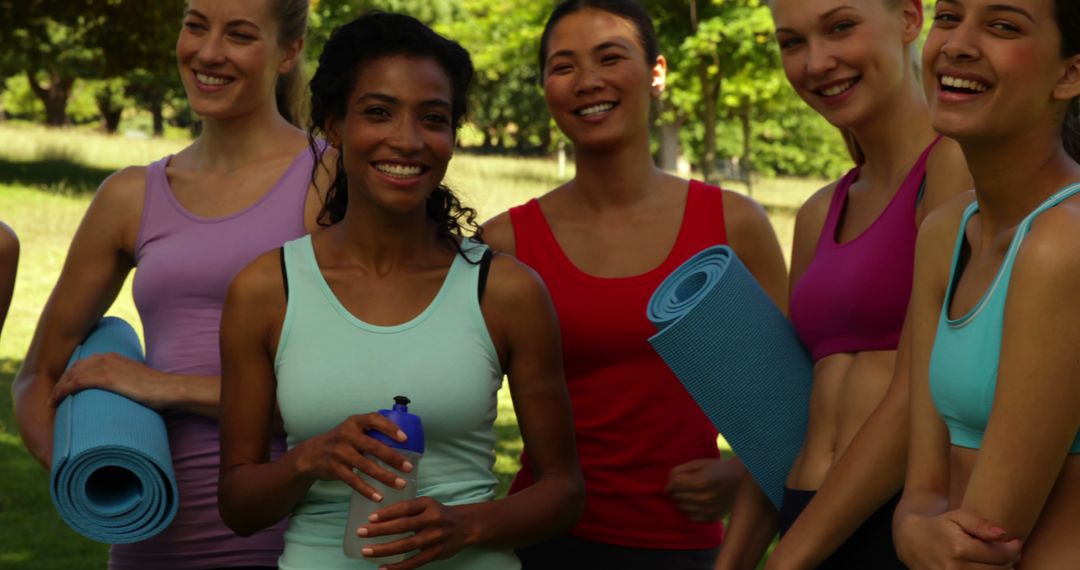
634	420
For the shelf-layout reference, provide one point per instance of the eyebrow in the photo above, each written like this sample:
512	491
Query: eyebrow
998	8
824	16
236	22
389	99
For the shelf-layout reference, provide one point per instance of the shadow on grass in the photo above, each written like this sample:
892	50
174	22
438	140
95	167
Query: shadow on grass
34	536
59	175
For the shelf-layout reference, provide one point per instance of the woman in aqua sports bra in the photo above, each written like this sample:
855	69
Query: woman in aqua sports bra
392	299
994	471
851	270
656	486
186	224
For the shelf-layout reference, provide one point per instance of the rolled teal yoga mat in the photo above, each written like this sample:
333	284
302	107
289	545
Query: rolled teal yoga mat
739	358
112	476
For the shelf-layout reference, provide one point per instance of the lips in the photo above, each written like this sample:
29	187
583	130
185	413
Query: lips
211	80
963	85
399	170
596	108
836	88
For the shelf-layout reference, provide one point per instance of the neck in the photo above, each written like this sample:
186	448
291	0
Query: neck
1015	173
381	240
891	141
616	176
228	143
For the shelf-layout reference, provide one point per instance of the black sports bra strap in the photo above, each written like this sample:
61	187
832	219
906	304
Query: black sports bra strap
485	266
284	275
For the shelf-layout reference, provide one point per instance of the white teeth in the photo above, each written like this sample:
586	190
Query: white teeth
600	108
968	84
838	89
210	80
398	170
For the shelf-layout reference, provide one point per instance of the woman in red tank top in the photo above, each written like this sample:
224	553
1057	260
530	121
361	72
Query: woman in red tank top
655	484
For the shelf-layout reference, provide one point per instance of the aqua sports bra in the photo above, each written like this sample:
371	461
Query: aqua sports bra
967	350
853	296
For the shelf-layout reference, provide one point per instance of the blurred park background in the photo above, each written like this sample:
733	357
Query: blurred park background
90	86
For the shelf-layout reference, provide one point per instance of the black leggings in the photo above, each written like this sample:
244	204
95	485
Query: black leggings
572	553
869	547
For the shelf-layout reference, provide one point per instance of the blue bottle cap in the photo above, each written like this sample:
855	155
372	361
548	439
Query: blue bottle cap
409	423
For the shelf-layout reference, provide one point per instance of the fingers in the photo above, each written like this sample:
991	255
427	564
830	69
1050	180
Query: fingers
977	526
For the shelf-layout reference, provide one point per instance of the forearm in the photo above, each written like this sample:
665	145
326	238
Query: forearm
35	416
254	496
548	508
193	394
870	472
753	526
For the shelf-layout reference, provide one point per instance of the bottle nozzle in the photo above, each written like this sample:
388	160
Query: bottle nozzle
401	403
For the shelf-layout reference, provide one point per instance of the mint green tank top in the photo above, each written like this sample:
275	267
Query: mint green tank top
967	350
330	365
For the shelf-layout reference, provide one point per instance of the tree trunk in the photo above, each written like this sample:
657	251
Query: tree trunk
710	93
55	96
545	139
156	109
670	147
745	115
110	119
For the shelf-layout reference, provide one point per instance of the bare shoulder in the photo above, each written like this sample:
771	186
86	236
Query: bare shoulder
1051	250
9	241
739	208
260	281
938	233
946	175
124	188
745	221
511	283
499	234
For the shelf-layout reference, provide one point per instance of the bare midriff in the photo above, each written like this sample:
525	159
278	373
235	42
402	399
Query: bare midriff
1053	542
847	387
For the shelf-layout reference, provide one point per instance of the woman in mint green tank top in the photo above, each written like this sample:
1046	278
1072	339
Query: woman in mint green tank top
390	299
994	461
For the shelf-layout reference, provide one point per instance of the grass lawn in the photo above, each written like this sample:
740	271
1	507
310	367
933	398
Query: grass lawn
46	181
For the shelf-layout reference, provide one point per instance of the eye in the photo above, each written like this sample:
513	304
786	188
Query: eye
377	112
194	27
788	42
610	58
945	19
243	37
1004	26
437	119
561	69
841	27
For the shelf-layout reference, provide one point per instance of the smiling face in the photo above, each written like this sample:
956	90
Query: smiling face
846	59
229	57
995	68
597	83
396	137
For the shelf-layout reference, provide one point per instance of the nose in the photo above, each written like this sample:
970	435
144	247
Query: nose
587	80
820	59
212	49
406	137
959	44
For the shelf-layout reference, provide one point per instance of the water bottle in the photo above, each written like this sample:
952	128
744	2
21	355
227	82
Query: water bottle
361	507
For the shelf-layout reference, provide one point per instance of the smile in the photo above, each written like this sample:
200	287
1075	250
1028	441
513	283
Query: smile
211	80
399	170
950	83
596	109
838	88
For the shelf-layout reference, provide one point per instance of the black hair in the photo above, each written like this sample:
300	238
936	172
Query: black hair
626	9
1067	14
369	37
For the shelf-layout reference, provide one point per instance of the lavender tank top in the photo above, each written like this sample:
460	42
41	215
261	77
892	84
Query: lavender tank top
184	266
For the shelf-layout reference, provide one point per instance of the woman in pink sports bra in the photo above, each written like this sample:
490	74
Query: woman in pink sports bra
851	274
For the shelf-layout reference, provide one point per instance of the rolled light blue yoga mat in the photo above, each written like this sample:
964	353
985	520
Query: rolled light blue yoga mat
739	358
112	475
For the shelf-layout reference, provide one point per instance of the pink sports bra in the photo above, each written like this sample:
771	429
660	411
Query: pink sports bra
853	295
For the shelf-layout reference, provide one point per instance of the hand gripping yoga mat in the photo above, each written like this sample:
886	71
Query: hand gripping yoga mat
739	358
112	476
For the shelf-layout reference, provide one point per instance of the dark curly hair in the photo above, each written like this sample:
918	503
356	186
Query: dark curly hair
1067	14
369	37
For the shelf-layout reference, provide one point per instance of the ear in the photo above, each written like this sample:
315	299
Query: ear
1068	86
911	14
659	76
292	56
332	134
